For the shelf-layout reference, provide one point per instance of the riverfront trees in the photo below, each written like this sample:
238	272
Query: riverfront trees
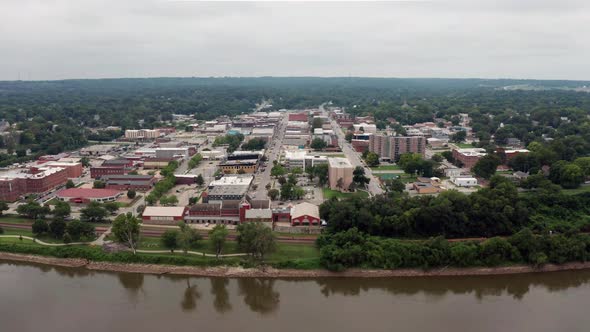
126	230
170	239
217	238
256	239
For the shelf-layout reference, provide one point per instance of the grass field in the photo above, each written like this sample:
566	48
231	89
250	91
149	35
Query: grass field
329	193
581	189
463	145
12	219
387	168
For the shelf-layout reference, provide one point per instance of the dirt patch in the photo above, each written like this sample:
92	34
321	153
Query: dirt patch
239	272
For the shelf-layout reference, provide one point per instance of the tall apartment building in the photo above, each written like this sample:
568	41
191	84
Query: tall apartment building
392	147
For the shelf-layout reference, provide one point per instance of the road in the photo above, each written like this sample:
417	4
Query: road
354	157
272	153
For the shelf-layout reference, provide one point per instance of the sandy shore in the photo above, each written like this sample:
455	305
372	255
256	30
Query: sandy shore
283	273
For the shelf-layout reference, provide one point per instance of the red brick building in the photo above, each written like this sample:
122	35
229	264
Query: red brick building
468	157
301	117
305	214
35	180
86	195
128	182
100	171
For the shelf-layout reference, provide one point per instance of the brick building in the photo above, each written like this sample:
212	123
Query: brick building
127	182
392	147
15	184
468	157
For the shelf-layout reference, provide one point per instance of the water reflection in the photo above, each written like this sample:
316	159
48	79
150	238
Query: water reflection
221	296
190	297
259	294
517	286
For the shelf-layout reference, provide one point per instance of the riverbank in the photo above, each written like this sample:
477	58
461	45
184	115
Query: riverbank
239	272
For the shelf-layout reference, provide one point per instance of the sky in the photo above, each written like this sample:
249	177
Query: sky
58	39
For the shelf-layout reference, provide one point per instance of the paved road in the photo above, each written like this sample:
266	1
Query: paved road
272	153
353	156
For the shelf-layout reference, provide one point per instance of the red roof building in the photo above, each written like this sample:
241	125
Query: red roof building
85	195
302	117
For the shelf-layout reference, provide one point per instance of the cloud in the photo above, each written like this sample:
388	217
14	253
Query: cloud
521	38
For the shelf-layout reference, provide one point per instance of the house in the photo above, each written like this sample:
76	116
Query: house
305	214
170	215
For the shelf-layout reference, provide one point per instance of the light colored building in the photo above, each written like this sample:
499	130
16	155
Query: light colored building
98	149
339	168
212	154
142	133
163	214
463	181
366	127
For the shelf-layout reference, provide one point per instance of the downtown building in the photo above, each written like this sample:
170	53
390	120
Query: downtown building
392	147
18	183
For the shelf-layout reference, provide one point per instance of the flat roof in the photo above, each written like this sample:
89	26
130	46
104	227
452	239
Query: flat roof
228	190
232	180
88	193
163	211
339	162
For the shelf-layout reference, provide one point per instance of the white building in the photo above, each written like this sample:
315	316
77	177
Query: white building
464	181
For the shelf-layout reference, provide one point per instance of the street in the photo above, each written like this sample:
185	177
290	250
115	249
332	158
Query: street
353	156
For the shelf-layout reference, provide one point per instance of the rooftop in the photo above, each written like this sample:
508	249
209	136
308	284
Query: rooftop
88	193
163	211
339	163
303	209
233	180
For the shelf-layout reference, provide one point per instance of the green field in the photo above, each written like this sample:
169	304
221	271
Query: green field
329	193
387	168
13	219
581	189
463	145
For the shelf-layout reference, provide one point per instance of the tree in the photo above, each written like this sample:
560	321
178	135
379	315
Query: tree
317	123
217	237
126	230
348	136
372	159
340	183
93	212
318	144
33	210
358	176
571	176
486	166
151	199
273	194
61	209
256	239
1	230
437	158
395	185
3	207
448	155
169	200
297	192
188	237
77	230
67	238
131	194
70	184
57	228
170	239
286	191
459	136
254	144
39	227
321	172
85	161
282	180
277	170
199	180
112	207
98	184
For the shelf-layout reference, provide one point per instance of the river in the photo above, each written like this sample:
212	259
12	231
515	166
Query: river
44	298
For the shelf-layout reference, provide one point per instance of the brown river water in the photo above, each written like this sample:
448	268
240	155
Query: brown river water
44	298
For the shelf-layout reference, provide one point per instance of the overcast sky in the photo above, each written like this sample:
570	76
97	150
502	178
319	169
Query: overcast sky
48	39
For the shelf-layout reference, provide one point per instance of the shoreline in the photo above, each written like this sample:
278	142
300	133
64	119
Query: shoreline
239	272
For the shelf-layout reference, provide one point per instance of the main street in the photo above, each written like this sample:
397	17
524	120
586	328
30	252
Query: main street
272	153
353	156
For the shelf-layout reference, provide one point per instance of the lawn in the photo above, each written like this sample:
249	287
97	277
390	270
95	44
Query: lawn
387	168
329	193
463	145
580	190
284	250
13	219
26	232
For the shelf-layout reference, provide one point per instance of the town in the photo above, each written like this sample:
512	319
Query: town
274	167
